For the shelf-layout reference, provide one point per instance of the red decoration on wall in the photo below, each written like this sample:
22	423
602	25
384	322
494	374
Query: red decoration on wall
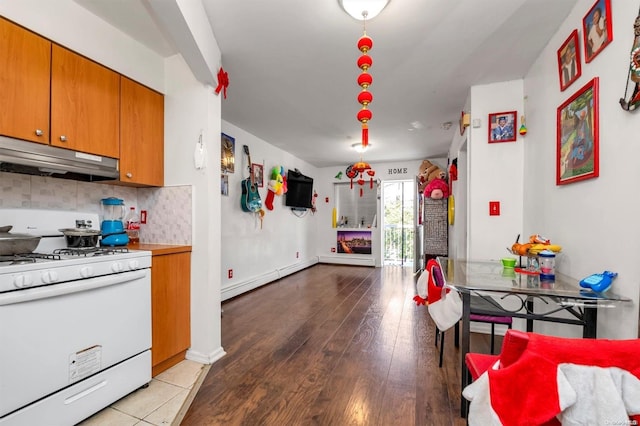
223	82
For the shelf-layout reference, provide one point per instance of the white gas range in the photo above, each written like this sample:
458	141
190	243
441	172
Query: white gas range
75	325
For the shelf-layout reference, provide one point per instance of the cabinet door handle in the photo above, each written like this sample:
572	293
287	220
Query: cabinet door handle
38	132
63	138
129	175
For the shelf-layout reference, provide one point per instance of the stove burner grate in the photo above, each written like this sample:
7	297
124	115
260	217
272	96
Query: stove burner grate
15	260
26	258
90	251
47	256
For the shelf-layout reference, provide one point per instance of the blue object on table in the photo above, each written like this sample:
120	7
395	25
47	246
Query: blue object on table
599	282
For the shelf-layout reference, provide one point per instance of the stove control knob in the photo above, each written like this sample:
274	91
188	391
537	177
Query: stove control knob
22	280
49	277
133	265
117	267
86	272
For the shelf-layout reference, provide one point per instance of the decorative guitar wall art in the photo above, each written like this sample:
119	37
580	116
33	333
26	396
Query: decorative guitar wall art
634	71
250	200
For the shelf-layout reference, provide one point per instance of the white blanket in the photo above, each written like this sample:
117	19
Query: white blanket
588	395
603	396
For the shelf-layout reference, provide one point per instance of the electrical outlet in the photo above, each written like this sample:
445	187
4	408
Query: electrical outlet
143	216
333	249
230	273
297	254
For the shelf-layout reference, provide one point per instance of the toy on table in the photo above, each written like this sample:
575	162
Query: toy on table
599	282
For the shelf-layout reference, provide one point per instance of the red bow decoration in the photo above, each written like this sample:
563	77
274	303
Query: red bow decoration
223	82
419	300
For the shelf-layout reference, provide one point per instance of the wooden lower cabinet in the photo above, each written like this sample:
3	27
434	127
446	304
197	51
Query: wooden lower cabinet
170	305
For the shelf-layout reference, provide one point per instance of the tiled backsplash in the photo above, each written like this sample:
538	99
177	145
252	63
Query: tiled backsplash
169	214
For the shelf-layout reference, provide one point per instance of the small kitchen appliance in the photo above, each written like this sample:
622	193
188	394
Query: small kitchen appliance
112	226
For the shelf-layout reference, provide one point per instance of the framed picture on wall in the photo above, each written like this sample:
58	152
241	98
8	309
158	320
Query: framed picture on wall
597	29
224	184
569	67
577	136
257	172
502	126
227	153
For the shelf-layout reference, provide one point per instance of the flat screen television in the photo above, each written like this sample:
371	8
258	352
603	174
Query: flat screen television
299	190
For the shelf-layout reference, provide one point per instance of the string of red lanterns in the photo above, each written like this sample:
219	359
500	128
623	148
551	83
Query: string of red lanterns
365	43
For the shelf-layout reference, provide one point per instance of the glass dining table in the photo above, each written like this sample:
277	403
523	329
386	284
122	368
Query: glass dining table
497	290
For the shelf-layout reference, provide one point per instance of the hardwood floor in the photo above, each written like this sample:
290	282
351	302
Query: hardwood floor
332	345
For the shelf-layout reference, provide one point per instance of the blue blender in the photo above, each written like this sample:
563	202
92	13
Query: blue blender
112	227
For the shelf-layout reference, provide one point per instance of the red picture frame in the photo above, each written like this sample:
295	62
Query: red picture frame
500	131
257	174
569	66
597	29
577	145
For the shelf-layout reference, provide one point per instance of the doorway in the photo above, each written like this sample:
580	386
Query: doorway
398	236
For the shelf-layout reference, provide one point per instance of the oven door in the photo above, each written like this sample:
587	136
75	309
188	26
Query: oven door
52	337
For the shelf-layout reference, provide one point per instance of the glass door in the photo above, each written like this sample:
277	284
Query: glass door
399	227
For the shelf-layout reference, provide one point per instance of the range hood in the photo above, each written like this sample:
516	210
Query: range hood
33	158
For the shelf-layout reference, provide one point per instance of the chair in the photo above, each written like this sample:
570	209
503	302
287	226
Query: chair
435	284
548	380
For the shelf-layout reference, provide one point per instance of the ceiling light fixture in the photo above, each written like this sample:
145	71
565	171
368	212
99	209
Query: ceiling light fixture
359	148
363	9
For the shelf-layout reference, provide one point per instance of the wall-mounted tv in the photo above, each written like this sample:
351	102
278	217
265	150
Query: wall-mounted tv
299	190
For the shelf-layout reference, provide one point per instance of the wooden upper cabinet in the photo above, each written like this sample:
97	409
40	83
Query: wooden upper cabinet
141	134
85	102
25	65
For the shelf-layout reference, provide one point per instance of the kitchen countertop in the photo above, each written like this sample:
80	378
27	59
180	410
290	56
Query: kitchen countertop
160	249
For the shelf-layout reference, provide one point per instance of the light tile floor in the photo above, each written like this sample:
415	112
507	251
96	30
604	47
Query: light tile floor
158	404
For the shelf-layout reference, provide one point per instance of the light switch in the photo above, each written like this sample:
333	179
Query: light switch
494	208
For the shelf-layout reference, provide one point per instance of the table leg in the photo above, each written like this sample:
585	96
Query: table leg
466	331
590	329
529	320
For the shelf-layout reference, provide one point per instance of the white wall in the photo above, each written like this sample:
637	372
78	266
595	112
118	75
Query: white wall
458	238
192	110
594	220
260	253
494	173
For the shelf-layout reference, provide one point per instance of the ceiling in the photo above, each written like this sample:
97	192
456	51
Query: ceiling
292	67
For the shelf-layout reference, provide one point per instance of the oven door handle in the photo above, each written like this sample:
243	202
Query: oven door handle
55	290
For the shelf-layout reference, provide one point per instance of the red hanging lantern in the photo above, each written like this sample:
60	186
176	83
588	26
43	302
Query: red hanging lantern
365	97
365	80
364	115
365	43
365	62
358	170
